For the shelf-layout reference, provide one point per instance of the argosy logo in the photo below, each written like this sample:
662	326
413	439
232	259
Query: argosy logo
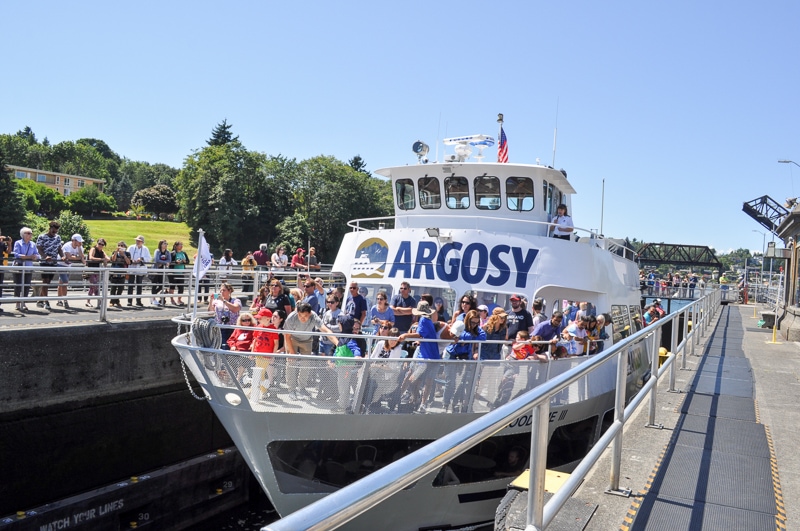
471	263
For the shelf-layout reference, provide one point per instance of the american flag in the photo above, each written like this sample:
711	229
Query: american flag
502	149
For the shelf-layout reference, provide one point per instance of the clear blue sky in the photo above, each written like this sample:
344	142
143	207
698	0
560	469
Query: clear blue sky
683	107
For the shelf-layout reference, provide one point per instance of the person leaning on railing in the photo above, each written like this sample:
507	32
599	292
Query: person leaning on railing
176	281
97	256
5	247
120	261
25	252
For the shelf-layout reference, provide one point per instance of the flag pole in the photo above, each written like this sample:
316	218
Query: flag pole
499	134
196	272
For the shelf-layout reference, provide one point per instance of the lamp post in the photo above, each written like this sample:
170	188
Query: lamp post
763	252
785	161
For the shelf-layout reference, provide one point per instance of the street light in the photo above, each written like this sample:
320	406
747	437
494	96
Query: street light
789	162
790	204
763	250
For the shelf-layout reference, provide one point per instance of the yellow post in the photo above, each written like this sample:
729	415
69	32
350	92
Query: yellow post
774	333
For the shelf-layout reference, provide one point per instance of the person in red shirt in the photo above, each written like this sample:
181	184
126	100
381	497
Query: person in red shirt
240	341
266	342
298	260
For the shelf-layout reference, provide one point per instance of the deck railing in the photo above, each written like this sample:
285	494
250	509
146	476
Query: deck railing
347	503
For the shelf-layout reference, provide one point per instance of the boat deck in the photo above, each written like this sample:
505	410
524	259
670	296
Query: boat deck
726	456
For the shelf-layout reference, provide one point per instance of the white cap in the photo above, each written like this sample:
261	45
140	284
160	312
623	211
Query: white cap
77	237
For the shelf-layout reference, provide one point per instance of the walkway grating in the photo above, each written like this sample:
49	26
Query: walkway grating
717	470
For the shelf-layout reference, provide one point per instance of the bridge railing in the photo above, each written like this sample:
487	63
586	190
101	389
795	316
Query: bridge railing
347	503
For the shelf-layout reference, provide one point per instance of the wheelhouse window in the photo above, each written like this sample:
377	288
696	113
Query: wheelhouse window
519	193
487	192
404	189
430	195
456	191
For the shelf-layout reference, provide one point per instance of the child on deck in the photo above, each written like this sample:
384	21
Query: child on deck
264	341
522	349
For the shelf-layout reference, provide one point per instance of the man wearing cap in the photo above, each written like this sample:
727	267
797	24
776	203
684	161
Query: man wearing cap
423	372
518	317
49	246
298	262
483	311
140	255
659	309
73	253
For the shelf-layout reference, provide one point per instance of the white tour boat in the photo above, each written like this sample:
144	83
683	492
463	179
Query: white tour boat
459	227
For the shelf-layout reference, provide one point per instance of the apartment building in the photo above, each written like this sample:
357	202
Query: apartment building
61	182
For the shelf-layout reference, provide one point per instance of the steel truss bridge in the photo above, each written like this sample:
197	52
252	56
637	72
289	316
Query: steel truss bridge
656	254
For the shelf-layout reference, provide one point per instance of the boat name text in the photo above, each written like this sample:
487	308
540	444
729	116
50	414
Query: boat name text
527	420
454	260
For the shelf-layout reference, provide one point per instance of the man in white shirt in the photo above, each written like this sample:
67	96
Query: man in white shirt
73	254
140	257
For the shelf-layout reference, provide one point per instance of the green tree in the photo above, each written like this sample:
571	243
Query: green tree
27	135
41	199
159	199
121	190
358	164
89	200
13	211
221	134
221	189
72	223
78	159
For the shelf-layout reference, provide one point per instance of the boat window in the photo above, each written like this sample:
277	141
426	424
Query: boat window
456	190
571	443
326	466
636	318
430	195
519	193
487	192
619	322
551	200
404	189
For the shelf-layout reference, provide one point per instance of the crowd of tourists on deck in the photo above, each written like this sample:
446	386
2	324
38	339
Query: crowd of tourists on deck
475	332
165	269
670	285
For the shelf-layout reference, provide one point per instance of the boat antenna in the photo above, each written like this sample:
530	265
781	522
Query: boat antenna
555	137
602	206
438	130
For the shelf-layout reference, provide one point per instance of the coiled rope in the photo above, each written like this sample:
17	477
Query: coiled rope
205	334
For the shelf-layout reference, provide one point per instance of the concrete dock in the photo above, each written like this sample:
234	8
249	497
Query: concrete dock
712	465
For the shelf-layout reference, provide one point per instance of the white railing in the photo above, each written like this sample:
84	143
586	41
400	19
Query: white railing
347	503
26	284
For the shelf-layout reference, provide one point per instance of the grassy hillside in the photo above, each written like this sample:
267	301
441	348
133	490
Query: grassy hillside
153	231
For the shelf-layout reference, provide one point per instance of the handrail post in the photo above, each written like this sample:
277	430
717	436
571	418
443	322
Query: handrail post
673	346
538	466
651	420
103	301
619	418
685	337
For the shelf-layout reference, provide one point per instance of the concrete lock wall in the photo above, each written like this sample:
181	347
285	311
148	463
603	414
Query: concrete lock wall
85	406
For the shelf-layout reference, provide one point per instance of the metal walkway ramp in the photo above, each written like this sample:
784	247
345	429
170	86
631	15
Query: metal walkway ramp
717	470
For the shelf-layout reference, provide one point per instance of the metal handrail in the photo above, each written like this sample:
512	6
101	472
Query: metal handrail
347	503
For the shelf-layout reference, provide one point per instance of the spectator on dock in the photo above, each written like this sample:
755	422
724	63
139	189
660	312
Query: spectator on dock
562	224
49	246
120	260
5	247
158	278
176	281
312	260
226	263
97	256
249	265
73	254
279	259
261	256
140	255
25	252
298	259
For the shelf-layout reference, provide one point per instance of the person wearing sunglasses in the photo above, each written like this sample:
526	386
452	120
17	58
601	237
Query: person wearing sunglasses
356	305
276	299
330	318
455	391
310	295
402	304
381	311
465	304
242	341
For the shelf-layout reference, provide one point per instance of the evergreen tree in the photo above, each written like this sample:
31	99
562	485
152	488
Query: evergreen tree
121	190
13	211
222	134
358	164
